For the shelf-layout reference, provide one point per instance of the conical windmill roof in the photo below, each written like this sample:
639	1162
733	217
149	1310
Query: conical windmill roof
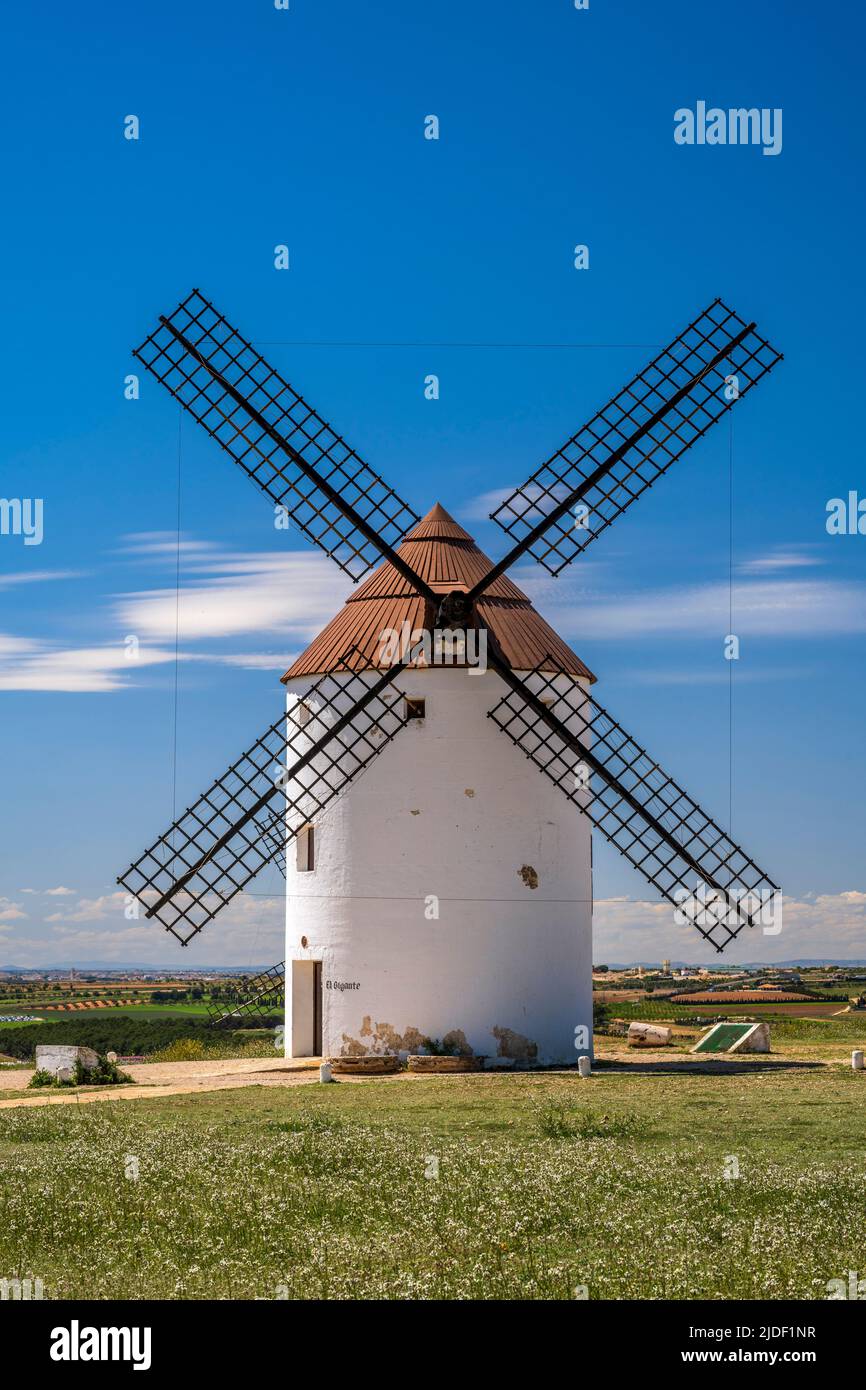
446	557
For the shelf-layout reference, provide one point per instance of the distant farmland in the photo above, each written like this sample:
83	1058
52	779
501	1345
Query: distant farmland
741	996
767	1009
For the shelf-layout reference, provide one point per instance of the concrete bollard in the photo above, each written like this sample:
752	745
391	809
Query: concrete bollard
325	1071
857	1060
584	1066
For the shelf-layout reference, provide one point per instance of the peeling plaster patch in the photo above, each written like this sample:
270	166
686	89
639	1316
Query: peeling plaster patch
382	1038
515	1045
456	1042
469	791
529	876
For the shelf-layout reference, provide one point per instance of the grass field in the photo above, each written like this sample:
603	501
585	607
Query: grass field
545	1183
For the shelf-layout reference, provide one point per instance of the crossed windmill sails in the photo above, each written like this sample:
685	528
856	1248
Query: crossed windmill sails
302	762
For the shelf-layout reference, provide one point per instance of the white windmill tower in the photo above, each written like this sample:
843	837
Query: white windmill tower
446	894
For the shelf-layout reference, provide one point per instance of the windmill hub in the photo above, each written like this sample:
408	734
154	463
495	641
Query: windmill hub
455	611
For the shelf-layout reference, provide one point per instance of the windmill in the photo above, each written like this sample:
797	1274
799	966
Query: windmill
463	941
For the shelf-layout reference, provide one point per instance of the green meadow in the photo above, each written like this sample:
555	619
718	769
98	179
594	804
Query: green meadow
625	1185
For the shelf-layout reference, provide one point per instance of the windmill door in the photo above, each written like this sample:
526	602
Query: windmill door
306	1008
317	1008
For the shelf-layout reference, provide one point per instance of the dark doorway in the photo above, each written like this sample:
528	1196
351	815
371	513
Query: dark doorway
317	1008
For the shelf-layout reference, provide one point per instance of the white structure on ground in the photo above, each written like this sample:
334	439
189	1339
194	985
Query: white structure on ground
446	895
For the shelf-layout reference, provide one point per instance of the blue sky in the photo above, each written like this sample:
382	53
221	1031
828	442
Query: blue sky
305	127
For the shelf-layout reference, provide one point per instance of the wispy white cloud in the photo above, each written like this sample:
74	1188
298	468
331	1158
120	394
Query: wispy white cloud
256	661
10	911
281	599
31	664
763	608
239	595
781	559
479	508
8	581
163	544
60	892
109	906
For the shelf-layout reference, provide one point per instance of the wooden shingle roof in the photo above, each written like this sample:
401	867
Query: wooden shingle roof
446	557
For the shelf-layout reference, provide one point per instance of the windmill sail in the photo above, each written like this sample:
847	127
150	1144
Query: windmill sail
242	822
285	446
635	438
635	804
271	826
292	771
265	993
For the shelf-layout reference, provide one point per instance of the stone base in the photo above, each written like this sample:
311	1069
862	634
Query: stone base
56	1058
758	1040
384	1065
444	1066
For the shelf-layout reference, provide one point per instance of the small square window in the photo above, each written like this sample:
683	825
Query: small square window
416	709
305	847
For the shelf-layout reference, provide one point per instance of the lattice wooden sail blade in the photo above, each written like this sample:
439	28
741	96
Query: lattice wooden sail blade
272	433
651	423
293	770
636	805
264	994
271	826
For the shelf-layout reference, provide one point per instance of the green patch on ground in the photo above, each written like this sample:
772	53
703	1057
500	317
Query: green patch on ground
722	1037
475	1186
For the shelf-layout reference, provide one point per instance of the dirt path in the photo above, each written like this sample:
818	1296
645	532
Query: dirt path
171	1079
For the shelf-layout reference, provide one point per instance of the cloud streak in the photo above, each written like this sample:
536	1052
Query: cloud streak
31	664
762	608
239	595
281	599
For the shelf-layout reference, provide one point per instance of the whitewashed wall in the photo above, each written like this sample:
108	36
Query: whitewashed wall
450	809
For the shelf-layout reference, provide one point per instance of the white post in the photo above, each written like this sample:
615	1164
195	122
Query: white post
857	1060
584	1066
325	1071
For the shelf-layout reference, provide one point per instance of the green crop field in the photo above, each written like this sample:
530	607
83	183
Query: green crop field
658	1010
512	1187
130	1010
129	1032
